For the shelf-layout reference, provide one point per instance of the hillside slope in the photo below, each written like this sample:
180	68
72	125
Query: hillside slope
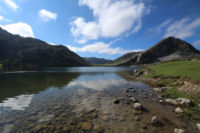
95	60
29	53
168	49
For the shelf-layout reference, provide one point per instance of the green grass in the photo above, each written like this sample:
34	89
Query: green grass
174	93
188	69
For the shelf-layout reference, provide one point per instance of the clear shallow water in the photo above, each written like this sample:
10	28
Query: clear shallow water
78	99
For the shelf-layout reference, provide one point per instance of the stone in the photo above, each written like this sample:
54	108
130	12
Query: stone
158	89
132	99
66	129
178	110
86	126
183	101
154	120
116	101
98	128
137	106
198	126
161	101
179	130
105	118
171	101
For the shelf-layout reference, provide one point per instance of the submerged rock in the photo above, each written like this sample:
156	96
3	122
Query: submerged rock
179	130
137	106
132	99
116	101
86	126
98	128
155	120
178	110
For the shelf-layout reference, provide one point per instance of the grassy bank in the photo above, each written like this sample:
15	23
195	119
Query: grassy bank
188	69
170	74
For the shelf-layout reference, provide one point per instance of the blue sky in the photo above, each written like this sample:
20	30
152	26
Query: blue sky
103	28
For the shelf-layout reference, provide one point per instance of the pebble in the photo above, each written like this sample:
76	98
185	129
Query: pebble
179	130
116	101
86	126
98	128
178	110
154	120
132	99
198	126
137	106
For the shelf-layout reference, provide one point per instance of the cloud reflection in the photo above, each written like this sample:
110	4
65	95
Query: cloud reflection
17	103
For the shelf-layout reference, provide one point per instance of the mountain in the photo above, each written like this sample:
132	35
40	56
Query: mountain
125	58
168	49
94	60
29	53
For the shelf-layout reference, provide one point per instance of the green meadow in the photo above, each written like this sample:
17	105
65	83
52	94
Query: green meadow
190	69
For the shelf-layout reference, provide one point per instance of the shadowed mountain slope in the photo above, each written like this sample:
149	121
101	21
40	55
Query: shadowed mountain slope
168	49
29	53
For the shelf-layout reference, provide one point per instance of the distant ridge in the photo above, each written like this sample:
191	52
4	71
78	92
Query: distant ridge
95	60
17	52
168	49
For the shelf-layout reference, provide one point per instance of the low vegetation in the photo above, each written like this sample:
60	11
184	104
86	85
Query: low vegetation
190	69
168	73
1	66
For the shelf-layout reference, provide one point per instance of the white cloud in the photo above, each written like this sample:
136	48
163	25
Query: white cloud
100	48
158	29
183	28
47	15
196	43
2	19
20	28
82	41
11	4
112	18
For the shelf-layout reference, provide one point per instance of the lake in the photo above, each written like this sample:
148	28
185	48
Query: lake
78	99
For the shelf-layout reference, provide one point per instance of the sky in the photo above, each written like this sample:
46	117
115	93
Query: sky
103	28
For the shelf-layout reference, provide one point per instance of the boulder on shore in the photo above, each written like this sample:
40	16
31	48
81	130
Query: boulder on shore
178	110
179	130
137	106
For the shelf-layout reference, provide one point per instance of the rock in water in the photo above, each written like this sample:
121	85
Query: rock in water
178	110
137	106
132	99
116	101
179	130
86	126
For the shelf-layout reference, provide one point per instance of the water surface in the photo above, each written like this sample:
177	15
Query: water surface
78	99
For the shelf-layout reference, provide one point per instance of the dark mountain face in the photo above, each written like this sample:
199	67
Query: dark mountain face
168	49
94	60
30	53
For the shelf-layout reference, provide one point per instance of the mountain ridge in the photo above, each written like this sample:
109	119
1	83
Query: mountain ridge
29	53
96	60
170	48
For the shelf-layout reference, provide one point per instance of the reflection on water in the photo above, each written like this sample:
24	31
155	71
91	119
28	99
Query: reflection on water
72	100
17	103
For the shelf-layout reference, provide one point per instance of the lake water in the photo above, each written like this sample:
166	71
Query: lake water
77	99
